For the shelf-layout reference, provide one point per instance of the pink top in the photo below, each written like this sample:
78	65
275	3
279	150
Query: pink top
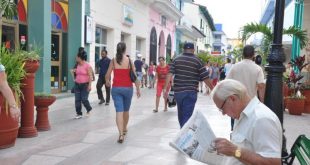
151	70
82	73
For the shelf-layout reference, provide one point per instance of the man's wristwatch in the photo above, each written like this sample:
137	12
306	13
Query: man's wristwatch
238	152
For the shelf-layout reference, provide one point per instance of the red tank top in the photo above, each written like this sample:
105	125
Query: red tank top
121	78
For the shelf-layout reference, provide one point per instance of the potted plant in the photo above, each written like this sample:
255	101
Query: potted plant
31	59
15	73
296	101
42	101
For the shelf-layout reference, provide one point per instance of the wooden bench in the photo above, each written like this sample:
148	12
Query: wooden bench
301	150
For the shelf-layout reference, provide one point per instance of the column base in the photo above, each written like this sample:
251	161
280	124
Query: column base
27	132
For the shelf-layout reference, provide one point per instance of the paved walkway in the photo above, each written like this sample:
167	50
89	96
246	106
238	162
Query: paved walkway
92	140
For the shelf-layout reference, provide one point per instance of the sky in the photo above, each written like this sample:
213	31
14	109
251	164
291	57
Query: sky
233	14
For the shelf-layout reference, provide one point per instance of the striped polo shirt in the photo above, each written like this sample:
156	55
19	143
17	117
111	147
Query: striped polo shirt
188	70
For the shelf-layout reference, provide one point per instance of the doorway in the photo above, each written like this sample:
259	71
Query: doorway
153	46
56	62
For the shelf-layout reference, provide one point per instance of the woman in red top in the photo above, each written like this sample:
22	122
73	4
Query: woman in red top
122	89
161	73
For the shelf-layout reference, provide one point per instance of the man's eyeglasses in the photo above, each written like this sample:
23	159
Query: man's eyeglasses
221	109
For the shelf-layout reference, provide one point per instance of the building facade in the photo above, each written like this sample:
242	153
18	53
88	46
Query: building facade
50	27
202	22
296	14
186	31
164	15
117	21
219	46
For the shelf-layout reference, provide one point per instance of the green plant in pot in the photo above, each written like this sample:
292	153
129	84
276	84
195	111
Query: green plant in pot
296	101
14	68
14	65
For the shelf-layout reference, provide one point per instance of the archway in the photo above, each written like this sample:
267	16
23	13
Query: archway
153	46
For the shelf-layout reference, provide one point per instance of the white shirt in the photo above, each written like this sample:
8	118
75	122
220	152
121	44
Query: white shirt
249	74
227	68
259	130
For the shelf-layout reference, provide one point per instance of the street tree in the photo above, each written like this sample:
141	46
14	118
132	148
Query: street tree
252	28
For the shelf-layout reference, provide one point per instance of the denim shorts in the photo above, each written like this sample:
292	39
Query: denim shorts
139	75
122	98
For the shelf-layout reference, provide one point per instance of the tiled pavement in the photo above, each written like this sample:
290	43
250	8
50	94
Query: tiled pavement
92	140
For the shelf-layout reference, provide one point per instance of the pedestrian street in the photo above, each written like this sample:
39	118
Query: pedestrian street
93	140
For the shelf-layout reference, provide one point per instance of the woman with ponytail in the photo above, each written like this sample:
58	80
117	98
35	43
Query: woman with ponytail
122	89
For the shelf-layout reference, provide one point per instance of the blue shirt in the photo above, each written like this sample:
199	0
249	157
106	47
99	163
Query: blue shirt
103	66
138	65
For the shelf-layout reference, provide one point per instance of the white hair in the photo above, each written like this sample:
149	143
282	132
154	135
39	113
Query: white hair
227	88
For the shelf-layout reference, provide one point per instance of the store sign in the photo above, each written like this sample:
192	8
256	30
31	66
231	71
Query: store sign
89	29
215	53
128	15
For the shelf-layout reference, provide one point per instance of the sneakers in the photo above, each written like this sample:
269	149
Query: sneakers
78	116
101	101
107	103
88	114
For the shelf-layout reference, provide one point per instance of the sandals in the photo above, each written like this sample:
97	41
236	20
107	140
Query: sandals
125	132
120	139
165	110
155	111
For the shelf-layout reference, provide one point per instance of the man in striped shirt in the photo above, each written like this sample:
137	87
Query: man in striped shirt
188	70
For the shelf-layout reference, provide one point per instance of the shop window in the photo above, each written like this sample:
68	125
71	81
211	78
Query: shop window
138	46
8	36
101	44
163	21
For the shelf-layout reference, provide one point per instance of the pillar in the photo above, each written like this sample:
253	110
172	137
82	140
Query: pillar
39	35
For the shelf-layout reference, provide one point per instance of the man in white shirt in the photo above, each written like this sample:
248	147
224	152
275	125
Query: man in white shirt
257	135
227	66
249	74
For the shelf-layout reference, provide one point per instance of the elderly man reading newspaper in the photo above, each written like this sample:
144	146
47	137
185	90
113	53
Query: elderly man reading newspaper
256	138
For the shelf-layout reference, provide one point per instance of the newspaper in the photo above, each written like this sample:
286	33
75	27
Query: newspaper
195	140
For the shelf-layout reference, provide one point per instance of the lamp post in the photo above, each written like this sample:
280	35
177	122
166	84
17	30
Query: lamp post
275	68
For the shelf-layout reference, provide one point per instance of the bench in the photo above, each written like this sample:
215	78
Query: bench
301	150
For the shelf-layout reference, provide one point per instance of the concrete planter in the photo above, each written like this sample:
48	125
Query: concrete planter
27	128
295	106
8	126
42	103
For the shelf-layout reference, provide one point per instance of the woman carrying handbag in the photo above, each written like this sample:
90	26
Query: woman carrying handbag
122	88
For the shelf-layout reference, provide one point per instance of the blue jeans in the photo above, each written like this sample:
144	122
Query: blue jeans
186	104
81	96
122	98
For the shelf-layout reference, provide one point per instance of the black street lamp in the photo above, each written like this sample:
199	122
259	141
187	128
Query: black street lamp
275	68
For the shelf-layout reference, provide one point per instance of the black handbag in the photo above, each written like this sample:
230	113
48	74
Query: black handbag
133	76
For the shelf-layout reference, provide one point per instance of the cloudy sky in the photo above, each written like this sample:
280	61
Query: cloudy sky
233	14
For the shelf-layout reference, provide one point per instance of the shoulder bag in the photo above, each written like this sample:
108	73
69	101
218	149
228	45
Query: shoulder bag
133	76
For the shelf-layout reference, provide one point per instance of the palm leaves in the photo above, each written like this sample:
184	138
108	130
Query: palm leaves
252	28
300	34
8	9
